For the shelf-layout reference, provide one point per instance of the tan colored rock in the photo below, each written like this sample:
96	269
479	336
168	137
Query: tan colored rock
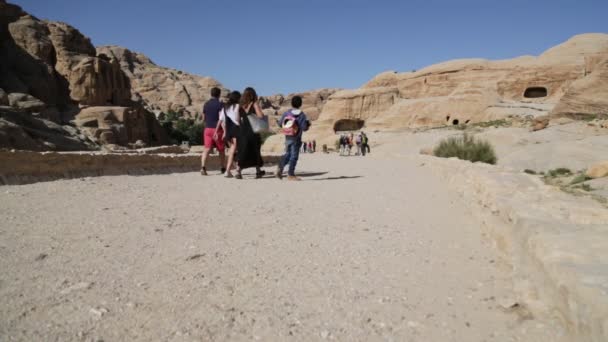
540	123
587	96
598	171
312	101
161	89
92	81
28	57
474	90
121	125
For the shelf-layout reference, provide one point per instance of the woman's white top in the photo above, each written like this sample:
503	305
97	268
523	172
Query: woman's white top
232	113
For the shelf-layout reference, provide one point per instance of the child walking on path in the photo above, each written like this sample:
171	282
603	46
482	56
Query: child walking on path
293	123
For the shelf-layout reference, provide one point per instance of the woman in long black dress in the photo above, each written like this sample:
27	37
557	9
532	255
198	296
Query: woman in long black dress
249	143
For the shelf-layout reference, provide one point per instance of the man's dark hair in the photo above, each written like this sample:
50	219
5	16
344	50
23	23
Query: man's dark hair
296	102
215	92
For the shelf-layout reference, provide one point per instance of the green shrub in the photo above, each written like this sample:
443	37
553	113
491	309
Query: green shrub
180	129
579	179
466	147
560	171
584	187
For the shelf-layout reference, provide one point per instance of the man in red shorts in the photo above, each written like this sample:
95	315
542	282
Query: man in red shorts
211	115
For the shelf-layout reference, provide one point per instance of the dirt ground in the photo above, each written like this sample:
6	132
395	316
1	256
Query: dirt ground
372	248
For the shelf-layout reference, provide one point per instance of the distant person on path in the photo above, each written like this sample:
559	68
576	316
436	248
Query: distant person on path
314	146
310	147
293	123
364	143
358	142
342	142
304	147
229	127
349	143
211	116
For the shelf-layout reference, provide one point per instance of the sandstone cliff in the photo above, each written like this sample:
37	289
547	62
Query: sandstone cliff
49	73
568	79
161	89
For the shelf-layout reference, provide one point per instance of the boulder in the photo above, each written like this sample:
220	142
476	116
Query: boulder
598	170
26	102
20	130
540	123
3	98
121	125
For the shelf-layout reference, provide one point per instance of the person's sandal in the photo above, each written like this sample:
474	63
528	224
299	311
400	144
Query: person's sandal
238	176
228	175
203	171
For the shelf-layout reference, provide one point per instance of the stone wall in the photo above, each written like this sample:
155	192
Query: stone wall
23	167
556	243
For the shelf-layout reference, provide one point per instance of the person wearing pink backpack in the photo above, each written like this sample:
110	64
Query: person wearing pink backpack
293	123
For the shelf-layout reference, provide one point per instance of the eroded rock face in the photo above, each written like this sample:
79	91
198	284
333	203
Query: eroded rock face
92	81
569	78
161	89
120	125
48	70
586	96
313	101
22	131
27	57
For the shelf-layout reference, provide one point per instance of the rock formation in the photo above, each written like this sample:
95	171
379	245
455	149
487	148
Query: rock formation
569	79
120	125
161	89
49	74
313	102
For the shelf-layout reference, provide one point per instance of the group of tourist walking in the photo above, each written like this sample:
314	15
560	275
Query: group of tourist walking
348	141
310	146
229	125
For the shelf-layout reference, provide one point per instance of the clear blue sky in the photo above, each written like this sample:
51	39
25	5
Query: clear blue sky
290	46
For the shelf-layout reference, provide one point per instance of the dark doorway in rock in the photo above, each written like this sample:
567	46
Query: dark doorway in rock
348	125
455	122
535	92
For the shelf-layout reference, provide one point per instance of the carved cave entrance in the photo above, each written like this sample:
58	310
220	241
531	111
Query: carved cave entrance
348	125
535	92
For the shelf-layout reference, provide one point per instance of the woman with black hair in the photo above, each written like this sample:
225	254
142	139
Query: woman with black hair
249	143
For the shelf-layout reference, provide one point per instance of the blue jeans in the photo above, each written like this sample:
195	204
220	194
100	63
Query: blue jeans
292	152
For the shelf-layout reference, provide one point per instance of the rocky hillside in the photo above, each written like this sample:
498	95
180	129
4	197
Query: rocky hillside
58	92
568	80
161	89
313	102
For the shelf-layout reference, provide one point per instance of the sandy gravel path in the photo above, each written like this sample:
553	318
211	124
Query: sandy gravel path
362	249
